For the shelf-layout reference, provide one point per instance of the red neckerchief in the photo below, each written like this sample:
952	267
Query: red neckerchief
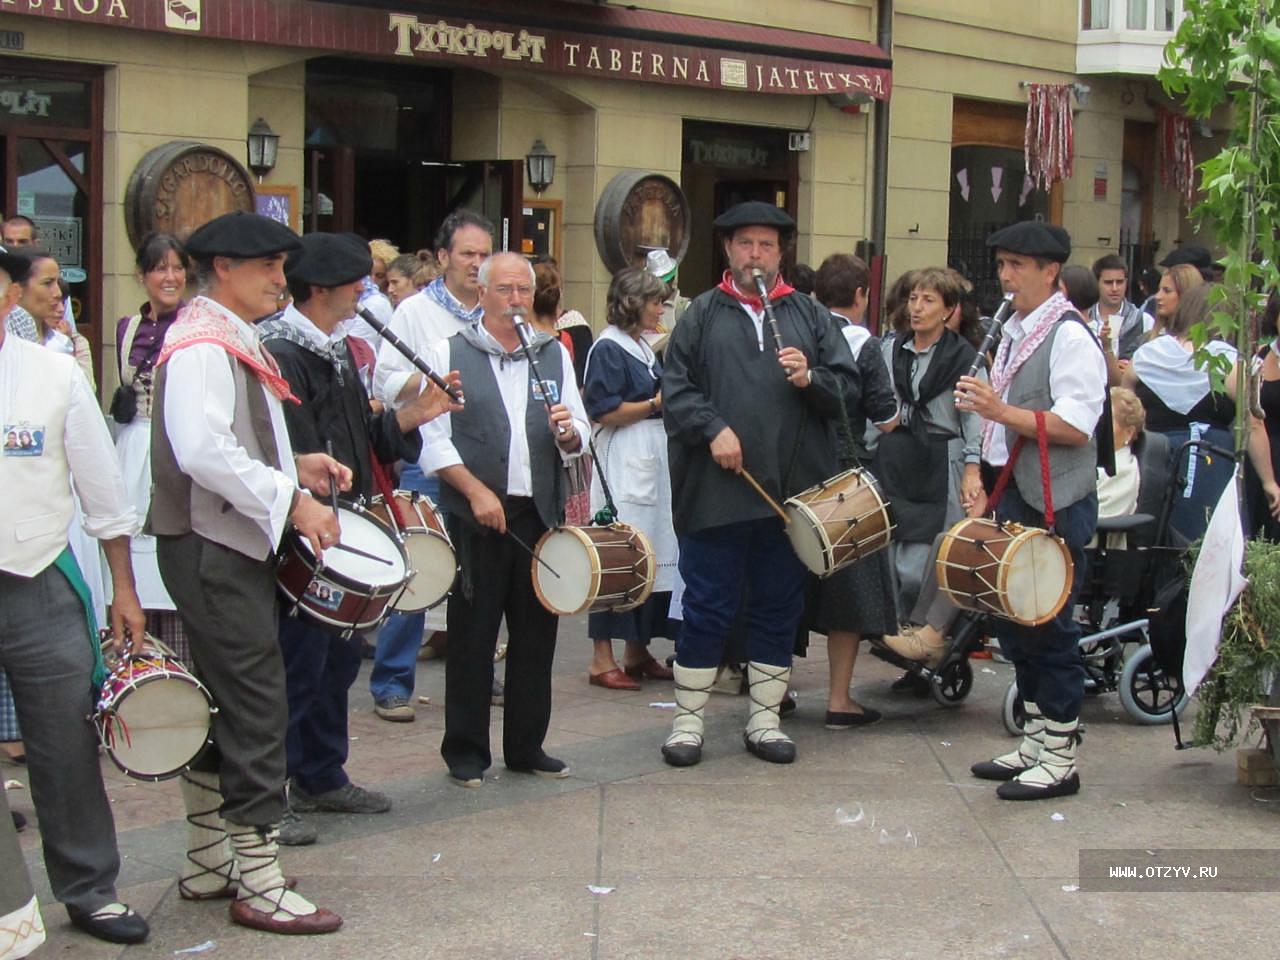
200	322
780	289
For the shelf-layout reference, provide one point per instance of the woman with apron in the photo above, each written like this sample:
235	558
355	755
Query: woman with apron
162	270
623	395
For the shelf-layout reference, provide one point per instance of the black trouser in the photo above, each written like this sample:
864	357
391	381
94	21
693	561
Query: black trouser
497	579
228	605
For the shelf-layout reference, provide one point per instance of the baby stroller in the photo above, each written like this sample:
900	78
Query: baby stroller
1119	597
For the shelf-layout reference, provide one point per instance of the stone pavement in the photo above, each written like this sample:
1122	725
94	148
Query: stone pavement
876	843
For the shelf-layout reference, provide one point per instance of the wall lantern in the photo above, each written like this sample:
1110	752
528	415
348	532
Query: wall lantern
264	143
541	166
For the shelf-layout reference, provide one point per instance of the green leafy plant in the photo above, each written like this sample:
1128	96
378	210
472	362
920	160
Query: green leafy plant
1249	654
1228	52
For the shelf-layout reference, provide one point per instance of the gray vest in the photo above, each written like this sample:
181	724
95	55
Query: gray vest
179	505
1073	471
482	432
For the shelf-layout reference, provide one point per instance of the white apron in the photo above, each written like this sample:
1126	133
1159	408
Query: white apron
133	446
634	462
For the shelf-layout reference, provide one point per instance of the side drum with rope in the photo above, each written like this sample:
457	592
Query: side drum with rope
1020	573
592	569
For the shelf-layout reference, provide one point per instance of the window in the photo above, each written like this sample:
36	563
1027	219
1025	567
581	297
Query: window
1095	14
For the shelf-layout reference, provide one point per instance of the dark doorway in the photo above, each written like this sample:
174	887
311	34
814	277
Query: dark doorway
378	156
725	164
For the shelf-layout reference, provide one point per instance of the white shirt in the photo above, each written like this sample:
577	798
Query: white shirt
91	456
200	397
438	450
421	323
1077	378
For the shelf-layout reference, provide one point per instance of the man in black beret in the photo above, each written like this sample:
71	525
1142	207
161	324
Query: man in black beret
225	483
309	343
732	403
1049	378
1199	258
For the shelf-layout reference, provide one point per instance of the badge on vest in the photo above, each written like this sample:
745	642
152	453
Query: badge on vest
23	440
552	386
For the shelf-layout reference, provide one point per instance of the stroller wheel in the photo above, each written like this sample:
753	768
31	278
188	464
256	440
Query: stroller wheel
1149	694
1012	711
952	683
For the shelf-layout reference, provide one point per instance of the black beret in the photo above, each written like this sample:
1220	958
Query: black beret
15	265
241	234
1198	257
1033	238
329	260
755	213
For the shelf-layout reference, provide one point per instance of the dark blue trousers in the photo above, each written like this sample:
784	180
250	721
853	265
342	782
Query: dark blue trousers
320	667
750	564
1045	659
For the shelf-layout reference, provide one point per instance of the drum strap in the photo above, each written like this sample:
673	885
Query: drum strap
1042	441
383	483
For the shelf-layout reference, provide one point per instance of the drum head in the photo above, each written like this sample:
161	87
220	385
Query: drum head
434	568
160	726
1038	572
808	538
364	534
574	559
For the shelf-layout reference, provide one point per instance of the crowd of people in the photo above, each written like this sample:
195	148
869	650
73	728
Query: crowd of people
265	374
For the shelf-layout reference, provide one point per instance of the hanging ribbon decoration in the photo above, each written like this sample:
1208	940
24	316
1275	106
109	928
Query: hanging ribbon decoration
1049	141
1177	164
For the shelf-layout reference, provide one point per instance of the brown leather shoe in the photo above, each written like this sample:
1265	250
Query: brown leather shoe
650	669
613	679
322	921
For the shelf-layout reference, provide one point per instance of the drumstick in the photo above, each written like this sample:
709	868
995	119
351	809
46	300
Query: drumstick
767	499
333	481
361	553
529	550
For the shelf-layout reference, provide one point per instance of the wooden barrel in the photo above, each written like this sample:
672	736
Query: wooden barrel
638	212
181	185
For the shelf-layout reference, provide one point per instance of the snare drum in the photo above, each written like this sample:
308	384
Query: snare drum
595	569
152	716
839	521
433	565
1016	572
348	591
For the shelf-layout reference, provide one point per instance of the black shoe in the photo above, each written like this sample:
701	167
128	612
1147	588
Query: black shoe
910	683
1015	790
126	927
843	721
682	754
466	775
541	765
772	751
19	821
990	770
788	705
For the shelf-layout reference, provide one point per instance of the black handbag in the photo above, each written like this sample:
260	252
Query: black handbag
124	404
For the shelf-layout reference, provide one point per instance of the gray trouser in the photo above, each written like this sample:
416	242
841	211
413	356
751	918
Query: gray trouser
933	607
44	647
227	602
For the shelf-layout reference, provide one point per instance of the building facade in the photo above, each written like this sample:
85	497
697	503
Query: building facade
389	114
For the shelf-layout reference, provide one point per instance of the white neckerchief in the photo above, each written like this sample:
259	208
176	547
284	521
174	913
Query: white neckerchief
632	347
1170	372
